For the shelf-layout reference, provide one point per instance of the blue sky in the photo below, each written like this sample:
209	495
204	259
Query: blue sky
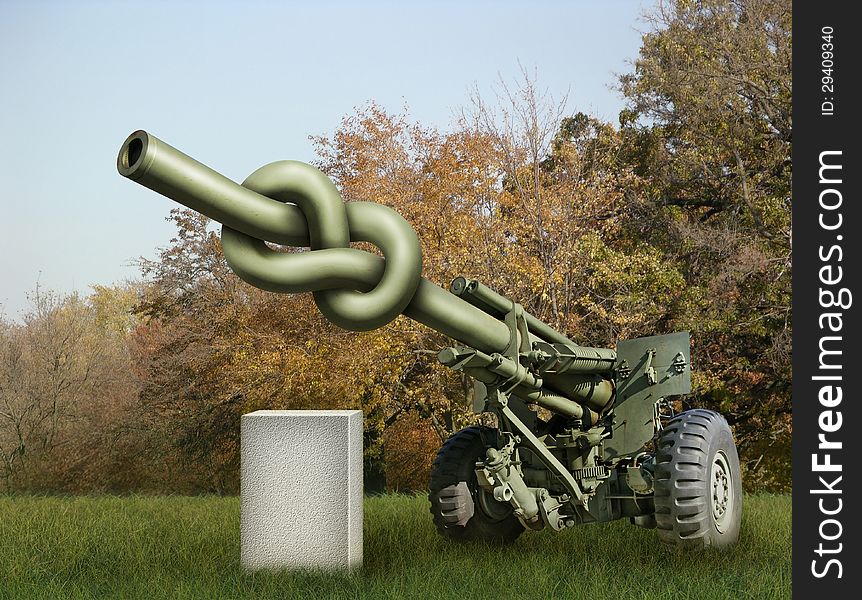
237	85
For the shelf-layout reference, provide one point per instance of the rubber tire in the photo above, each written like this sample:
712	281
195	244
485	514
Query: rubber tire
686	450
456	463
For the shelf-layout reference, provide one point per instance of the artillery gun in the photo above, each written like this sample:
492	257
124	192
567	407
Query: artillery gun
611	447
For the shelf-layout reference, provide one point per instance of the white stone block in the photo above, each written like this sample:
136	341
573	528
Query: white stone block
301	489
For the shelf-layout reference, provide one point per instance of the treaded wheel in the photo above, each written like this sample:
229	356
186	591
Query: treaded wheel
461	509
698	488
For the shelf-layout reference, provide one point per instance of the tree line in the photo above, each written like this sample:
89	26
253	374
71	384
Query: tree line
677	217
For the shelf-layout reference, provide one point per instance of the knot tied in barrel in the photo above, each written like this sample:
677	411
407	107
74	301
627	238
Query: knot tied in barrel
294	204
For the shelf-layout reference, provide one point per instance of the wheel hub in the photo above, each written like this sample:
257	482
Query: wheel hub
722	492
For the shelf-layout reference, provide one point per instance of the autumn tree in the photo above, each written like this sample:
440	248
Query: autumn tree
709	128
65	390
564	192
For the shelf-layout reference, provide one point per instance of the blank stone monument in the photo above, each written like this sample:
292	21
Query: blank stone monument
301	489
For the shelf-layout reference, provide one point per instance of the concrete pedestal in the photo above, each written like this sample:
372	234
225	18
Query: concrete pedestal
301	489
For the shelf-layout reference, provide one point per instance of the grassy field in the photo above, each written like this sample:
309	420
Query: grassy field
182	547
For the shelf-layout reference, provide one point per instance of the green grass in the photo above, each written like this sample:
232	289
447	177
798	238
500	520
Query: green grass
188	547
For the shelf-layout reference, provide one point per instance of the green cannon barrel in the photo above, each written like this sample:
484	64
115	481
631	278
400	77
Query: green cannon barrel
293	204
569	356
481	296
